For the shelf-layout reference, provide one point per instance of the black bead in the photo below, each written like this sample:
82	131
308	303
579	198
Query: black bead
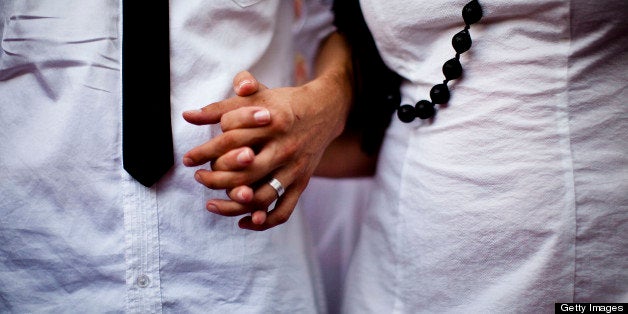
472	12
452	69
406	113
439	94
425	109
461	41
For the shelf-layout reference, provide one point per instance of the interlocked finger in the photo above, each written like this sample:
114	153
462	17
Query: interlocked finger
236	159
243	201
245	117
241	194
227	176
278	215
224	143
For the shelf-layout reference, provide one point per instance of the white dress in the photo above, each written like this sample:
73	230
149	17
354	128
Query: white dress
515	196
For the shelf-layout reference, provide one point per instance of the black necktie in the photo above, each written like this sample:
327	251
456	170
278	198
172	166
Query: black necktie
146	131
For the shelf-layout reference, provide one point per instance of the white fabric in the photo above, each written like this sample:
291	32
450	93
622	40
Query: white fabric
77	233
515	197
333	208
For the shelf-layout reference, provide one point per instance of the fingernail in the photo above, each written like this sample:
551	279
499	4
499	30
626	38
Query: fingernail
188	161
192	111
262	116
241	196
212	208
244	157
197	177
244	82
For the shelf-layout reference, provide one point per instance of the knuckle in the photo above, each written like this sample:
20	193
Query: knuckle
285	153
282	123
224	127
225	124
291	149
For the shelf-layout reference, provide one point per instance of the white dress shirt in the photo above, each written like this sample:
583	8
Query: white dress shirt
78	233
515	196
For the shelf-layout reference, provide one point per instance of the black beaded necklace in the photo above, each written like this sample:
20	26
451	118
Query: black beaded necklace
452	69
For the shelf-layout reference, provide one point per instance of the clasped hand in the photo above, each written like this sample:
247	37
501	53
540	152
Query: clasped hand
267	133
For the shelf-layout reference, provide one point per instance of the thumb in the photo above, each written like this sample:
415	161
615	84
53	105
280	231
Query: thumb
245	84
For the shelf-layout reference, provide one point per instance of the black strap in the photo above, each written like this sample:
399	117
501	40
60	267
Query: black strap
146	130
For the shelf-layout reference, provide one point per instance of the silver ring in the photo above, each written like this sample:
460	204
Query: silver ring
277	186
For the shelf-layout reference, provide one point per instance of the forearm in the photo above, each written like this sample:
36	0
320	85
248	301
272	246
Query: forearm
334	79
344	158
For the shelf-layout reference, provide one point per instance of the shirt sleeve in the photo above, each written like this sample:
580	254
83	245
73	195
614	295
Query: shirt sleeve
313	23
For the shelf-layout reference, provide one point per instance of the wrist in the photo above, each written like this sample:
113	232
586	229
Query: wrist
333	94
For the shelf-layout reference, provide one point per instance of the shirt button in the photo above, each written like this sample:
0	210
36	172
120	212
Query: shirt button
143	281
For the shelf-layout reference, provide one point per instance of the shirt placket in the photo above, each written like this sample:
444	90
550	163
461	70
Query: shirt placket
141	225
